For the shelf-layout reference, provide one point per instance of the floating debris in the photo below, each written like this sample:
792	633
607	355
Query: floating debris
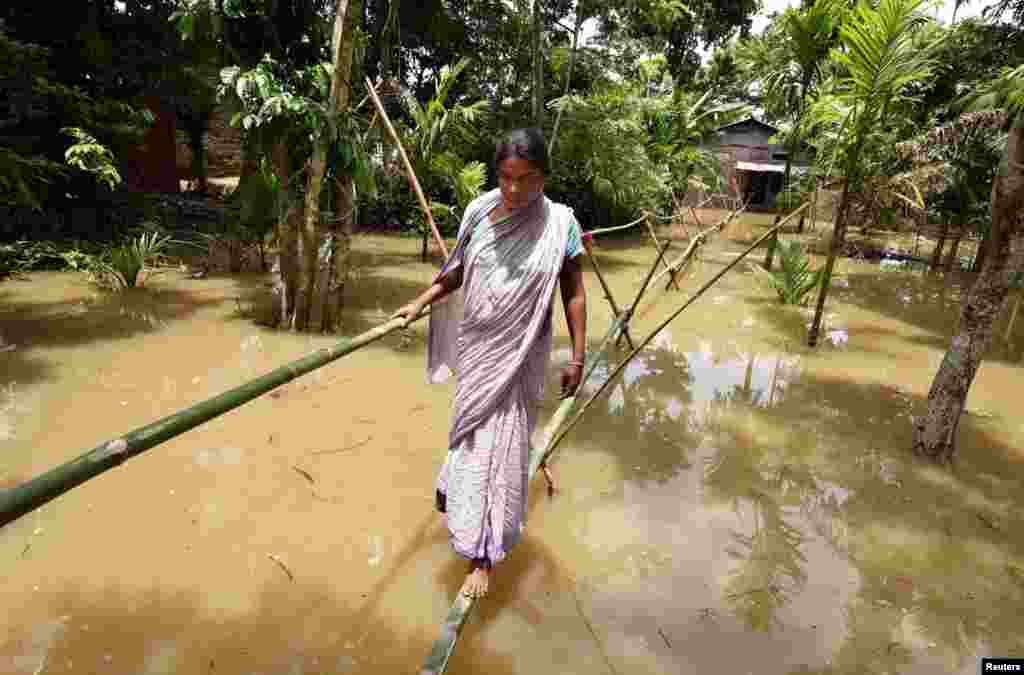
838	337
280	563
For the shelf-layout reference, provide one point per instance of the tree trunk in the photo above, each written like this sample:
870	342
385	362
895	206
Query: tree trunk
838	238
568	75
315	266
935	434
340	230
793	145
285	273
538	67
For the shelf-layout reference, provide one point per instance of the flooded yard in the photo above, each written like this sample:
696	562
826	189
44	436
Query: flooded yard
736	503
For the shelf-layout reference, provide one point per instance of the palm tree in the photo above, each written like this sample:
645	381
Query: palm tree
436	126
788	63
936	432
881	56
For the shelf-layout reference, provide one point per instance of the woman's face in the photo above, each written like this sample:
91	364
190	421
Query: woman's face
520	182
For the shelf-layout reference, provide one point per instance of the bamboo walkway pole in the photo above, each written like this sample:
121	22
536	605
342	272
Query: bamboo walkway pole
408	167
444	646
19	500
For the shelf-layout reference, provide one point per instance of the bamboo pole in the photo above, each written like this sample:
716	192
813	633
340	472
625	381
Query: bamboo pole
643	288
607	291
19	500
618	227
444	646
647	280
698	240
657	244
408	166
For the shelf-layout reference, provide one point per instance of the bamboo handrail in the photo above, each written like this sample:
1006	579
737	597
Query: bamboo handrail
21	499
408	166
606	230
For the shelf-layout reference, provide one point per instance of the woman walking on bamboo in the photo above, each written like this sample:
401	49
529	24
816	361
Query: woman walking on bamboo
493	332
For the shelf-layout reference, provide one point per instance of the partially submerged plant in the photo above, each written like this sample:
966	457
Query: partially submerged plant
794	279
127	265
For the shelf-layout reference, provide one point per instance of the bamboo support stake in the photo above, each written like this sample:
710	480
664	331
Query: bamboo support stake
408	166
444	646
19	500
657	244
604	287
643	288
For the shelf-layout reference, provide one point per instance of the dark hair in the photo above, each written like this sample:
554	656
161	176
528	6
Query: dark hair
526	144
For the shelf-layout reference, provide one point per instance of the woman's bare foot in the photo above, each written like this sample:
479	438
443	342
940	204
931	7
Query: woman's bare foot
477	580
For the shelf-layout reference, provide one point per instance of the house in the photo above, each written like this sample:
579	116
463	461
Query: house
752	166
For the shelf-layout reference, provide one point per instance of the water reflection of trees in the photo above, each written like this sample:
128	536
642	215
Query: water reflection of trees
933	576
765	481
803	456
643	420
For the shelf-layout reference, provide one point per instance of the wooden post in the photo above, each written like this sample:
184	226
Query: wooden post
408	168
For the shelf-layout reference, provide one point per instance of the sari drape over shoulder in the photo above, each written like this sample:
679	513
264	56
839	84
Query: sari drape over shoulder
494	335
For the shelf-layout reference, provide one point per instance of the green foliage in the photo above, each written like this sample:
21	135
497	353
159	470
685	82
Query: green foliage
19	257
604	147
787	62
273	105
880	56
92	157
793	279
32	150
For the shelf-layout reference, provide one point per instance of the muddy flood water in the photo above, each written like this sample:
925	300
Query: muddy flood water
738	503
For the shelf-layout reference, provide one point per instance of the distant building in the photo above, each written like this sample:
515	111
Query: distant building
751	166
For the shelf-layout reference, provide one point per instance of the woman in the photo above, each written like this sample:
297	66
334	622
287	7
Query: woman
494	333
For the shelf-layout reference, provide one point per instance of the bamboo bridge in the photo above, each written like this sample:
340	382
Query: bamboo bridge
22	499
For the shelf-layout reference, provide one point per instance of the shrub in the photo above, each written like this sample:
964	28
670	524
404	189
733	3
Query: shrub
793	279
